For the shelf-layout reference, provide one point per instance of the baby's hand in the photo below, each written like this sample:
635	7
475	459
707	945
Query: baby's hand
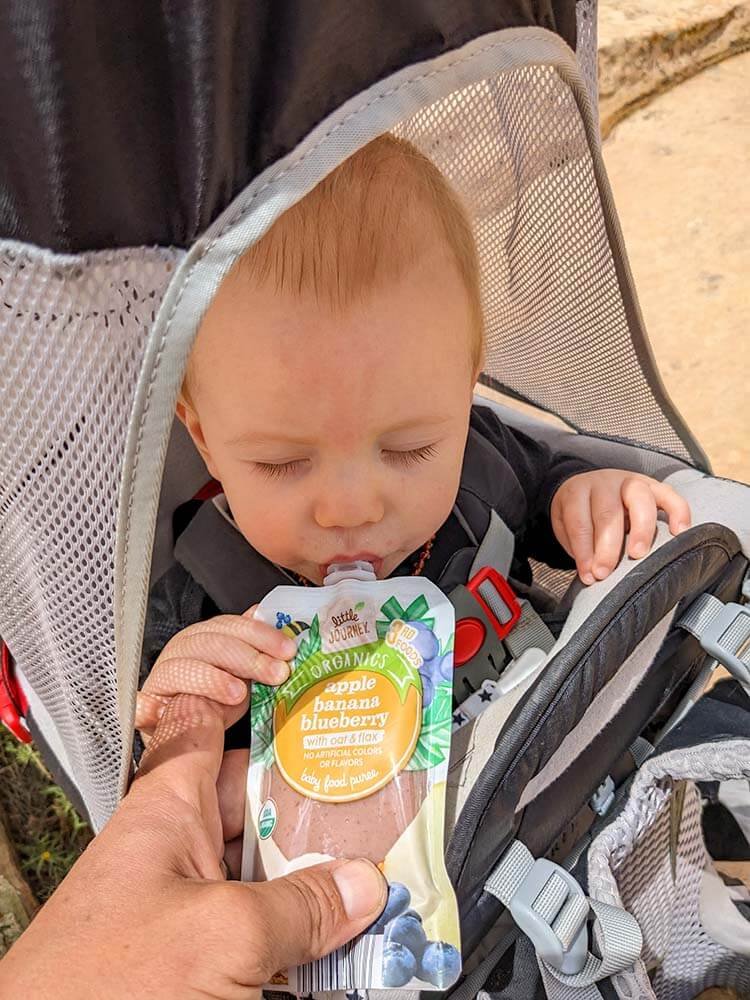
215	659
592	511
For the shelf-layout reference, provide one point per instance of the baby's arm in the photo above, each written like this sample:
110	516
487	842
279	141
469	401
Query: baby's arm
215	658
592	511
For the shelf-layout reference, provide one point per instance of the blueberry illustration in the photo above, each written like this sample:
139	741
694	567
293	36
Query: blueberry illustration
440	965
407	931
425	641
428	689
399	966
445	667
399	899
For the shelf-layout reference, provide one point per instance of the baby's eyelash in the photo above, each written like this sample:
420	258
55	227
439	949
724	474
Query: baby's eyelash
272	471
413	456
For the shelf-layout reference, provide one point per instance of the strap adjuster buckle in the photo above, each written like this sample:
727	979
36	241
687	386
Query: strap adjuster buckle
496	598
727	637
13	703
552	910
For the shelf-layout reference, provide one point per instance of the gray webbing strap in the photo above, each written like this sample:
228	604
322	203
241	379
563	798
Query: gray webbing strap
551	909
529	632
496	549
723	630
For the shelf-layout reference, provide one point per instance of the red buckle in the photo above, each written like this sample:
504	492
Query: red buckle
505	591
14	705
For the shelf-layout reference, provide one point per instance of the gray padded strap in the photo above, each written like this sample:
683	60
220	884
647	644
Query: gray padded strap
723	630
496	549
550	907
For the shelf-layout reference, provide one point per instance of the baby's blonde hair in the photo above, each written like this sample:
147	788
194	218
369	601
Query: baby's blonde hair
363	226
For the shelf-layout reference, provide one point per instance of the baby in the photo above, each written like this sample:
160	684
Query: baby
330	394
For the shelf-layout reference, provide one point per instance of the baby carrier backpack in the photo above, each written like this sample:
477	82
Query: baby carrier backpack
146	149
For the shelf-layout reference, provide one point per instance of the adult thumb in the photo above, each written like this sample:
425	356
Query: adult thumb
313	911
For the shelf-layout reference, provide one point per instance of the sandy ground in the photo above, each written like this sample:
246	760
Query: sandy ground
679	172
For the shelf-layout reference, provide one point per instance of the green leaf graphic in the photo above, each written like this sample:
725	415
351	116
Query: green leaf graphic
434	742
394	611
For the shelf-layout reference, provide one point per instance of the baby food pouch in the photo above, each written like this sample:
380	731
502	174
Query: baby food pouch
349	759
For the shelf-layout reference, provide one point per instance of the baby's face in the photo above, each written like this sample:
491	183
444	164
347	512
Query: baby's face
336	436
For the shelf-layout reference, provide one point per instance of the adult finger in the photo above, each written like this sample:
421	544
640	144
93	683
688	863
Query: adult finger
608	519
230	788
184	755
309	913
639	500
674	506
576	518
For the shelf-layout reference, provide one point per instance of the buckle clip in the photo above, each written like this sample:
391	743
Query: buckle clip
13	703
539	902
496	598
729	627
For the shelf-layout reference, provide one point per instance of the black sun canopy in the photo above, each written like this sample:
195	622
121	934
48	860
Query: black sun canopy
138	123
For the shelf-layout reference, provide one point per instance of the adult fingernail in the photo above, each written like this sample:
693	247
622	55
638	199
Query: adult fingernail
682	526
360	886
639	550
587	578
600	571
279	671
237	689
160	711
289	649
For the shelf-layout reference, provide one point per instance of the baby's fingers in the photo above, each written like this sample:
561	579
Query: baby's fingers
182	675
674	506
260	635
609	527
574	527
148	711
640	503
230	653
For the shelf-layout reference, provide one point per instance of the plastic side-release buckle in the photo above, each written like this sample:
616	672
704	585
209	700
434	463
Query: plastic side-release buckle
551	908
13	703
495	595
727	639
603	798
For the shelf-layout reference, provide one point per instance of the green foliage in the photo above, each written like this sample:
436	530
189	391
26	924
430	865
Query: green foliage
47	832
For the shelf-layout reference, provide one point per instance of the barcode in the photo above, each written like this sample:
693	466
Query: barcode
356	965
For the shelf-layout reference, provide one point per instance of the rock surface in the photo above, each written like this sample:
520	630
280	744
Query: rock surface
645	47
678	170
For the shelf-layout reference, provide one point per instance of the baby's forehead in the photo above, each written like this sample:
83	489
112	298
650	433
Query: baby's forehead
363	230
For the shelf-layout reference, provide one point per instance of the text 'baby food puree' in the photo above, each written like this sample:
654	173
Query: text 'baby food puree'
349	759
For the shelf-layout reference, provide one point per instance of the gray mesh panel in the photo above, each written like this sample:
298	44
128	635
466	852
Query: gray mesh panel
558	333
587	48
632	861
72	331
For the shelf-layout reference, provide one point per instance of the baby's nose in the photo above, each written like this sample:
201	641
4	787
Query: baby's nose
350	506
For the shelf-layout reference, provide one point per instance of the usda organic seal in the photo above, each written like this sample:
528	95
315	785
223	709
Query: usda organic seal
267	819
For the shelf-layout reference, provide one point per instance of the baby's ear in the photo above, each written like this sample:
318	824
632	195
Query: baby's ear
188	416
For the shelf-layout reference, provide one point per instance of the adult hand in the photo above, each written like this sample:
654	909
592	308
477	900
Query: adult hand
146	911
